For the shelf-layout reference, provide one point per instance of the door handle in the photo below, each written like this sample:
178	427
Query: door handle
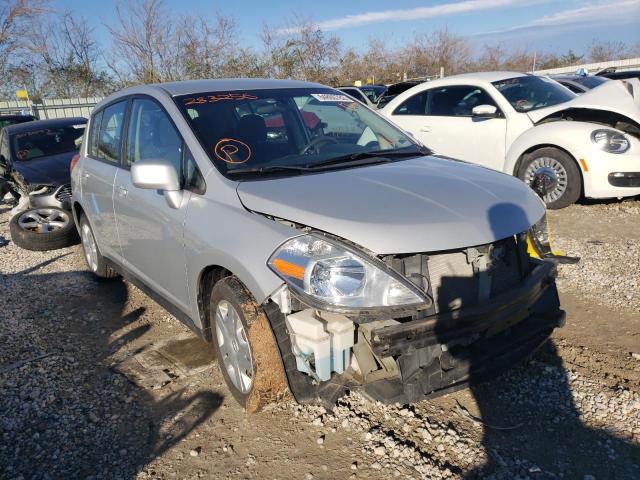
425	129
122	191
85	175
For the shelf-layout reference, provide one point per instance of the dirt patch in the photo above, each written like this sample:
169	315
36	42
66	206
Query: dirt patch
270	382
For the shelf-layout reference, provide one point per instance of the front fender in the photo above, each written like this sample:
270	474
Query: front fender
228	236
573	137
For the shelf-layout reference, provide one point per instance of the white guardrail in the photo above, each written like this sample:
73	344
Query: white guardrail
620	65
53	108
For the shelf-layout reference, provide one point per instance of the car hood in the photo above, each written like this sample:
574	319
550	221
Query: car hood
51	170
420	205
612	96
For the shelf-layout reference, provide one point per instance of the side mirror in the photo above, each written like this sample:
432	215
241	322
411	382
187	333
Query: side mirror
158	174
484	111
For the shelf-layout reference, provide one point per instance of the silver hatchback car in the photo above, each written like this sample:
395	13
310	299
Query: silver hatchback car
318	247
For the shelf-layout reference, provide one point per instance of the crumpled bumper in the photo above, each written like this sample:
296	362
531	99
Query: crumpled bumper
442	352
448	351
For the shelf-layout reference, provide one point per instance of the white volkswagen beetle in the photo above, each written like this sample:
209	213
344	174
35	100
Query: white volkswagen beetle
528	125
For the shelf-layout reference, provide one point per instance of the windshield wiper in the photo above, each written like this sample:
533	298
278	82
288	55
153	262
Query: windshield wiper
352	159
270	168
378	156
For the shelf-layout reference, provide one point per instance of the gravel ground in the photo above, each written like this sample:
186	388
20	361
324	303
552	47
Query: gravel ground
610	264
571	412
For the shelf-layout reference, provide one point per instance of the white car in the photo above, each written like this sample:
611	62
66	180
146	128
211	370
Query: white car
528	125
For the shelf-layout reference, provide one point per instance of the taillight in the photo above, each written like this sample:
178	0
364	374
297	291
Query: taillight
74	161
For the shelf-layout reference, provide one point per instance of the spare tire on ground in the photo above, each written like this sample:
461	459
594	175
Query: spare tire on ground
43	228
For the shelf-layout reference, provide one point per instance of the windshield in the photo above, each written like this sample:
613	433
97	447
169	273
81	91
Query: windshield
47	142
374	92
4	122
288	128
531	92
591	82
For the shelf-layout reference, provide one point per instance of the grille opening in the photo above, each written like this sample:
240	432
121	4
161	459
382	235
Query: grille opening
456	279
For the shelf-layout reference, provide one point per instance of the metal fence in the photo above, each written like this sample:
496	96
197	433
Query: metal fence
55	108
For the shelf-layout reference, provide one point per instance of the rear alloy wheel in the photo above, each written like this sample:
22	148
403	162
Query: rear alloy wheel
95	261
245	346
43	228
560	172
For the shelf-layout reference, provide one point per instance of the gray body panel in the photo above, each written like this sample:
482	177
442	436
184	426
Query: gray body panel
151	238
219	231
96	180
421	205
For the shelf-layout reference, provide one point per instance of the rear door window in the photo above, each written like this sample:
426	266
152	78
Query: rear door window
456	101
110	133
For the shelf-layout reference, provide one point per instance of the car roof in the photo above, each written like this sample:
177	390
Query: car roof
230	84
190	87
565	77
40	124
486	76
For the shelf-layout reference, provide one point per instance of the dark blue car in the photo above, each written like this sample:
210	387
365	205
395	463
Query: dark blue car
35	160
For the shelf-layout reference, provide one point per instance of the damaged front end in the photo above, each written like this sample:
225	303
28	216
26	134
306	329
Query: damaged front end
25	195
454	318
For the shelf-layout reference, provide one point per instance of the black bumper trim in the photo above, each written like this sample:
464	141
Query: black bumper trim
501	312
624	179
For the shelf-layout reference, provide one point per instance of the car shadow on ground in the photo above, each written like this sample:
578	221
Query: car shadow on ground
530	422
64	413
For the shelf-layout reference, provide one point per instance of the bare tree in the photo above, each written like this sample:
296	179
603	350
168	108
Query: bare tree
17	18
151	45
301	50
144	46
428	53
69	58
605	51
492	58
205	48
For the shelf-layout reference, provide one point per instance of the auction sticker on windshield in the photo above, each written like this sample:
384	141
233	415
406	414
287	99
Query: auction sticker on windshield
331	97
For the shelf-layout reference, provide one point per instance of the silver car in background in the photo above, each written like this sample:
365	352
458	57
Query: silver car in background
318	247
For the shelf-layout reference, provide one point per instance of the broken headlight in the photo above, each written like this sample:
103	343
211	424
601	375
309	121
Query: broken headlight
539	240
335	275
610	141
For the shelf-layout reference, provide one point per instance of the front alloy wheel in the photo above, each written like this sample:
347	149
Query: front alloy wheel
557	171
235	354
246	349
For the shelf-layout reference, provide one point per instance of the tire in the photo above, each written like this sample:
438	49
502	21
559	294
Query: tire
259	378
43	228
92	256
553	161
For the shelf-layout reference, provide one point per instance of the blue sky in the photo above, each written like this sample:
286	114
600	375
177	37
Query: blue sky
542	25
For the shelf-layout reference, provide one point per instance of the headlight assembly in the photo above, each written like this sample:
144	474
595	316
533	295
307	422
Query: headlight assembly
610	141
539	241
334	275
